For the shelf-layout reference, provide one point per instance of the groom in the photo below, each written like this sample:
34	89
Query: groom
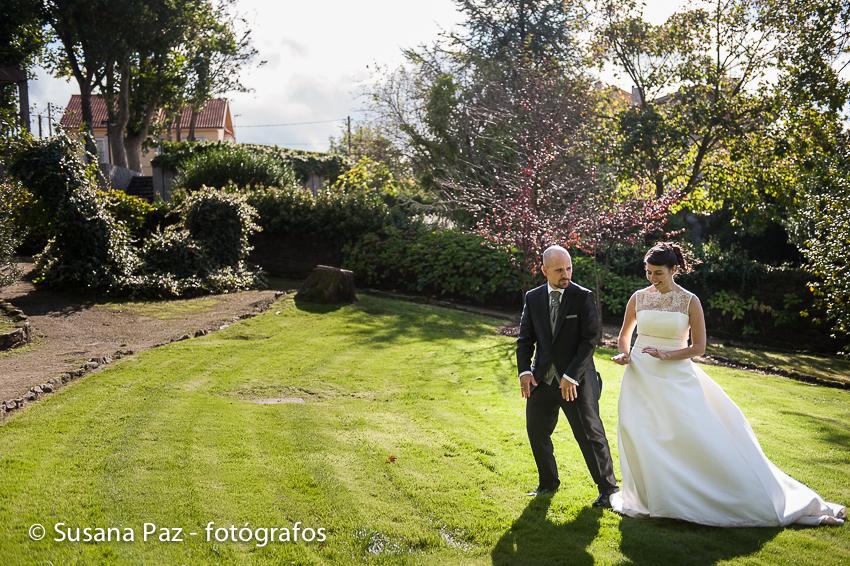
559	325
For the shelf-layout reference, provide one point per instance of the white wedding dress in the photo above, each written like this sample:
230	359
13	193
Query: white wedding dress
686	450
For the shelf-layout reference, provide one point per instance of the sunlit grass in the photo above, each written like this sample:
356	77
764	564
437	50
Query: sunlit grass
409	447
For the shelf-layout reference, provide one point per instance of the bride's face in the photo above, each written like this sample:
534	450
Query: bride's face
659	276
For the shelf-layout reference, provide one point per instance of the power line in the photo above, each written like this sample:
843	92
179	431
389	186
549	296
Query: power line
289	124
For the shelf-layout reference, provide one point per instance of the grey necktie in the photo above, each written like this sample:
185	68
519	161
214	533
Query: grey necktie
554	304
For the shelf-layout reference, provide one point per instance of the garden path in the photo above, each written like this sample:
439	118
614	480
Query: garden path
70	330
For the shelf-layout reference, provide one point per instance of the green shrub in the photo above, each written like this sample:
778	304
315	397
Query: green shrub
443	263
740	296
615	287
368	176
329	216
89	249
222	224
825	250
30	219
176	265
131	210
206	252
174	252
405	197
10	236
329	166
233	165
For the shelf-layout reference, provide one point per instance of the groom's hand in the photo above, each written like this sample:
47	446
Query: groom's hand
569	391
525	383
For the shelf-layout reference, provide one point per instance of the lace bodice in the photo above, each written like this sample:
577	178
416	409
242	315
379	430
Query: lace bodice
649	299
659	317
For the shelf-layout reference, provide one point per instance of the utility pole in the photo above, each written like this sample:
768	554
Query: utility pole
39	126
50	119
348	120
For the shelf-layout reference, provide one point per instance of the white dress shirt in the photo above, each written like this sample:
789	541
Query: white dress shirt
549	294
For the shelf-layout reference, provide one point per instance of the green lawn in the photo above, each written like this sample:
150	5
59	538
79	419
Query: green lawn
826	368
409	447
164	310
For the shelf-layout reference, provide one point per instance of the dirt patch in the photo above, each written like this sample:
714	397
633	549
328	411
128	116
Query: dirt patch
69	331
274	394
277	400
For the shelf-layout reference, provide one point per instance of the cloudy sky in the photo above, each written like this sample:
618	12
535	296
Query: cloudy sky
320	54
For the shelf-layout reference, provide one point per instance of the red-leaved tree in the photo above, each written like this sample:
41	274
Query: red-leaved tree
547	189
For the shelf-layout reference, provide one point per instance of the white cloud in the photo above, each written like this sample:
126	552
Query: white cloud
318	54
295	48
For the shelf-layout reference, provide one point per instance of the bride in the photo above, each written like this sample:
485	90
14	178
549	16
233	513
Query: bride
686	450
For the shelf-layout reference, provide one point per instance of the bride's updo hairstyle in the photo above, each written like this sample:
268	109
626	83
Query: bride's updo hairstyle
669	255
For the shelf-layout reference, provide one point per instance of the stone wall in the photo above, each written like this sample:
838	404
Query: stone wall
19	335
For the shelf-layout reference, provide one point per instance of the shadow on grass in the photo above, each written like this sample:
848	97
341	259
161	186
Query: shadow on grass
661	541
316	308
533	539
384	321
831	431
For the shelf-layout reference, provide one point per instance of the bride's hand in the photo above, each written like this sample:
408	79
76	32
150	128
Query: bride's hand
655	352
621	359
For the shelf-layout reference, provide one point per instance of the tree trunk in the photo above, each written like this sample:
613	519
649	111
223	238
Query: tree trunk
134	139
192	122
178	120
597	288
118	112
24	104
85	105
133	147
84	82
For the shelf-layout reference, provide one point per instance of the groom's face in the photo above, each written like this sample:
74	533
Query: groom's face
558	271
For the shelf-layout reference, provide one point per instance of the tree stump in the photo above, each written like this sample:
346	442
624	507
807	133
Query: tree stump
328	285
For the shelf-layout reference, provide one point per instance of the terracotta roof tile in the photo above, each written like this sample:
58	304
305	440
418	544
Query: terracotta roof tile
212	116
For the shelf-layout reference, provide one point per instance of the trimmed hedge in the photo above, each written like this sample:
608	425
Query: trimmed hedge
329	216
442	263
232	165
174	155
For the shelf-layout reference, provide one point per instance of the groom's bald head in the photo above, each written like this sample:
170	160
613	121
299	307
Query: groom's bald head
557	266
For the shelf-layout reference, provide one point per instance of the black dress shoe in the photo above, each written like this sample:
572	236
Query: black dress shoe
542	491
604	501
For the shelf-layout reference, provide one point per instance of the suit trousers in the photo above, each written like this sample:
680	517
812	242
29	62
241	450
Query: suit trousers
541	417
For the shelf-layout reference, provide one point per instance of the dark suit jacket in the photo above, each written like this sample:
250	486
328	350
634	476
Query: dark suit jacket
576	333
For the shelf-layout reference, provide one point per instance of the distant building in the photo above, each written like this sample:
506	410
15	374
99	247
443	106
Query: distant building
214	123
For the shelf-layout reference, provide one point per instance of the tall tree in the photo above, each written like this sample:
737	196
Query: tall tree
116	51
697	78
80	25
22	39
427	106
547	188
537	29
816	53
218	53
